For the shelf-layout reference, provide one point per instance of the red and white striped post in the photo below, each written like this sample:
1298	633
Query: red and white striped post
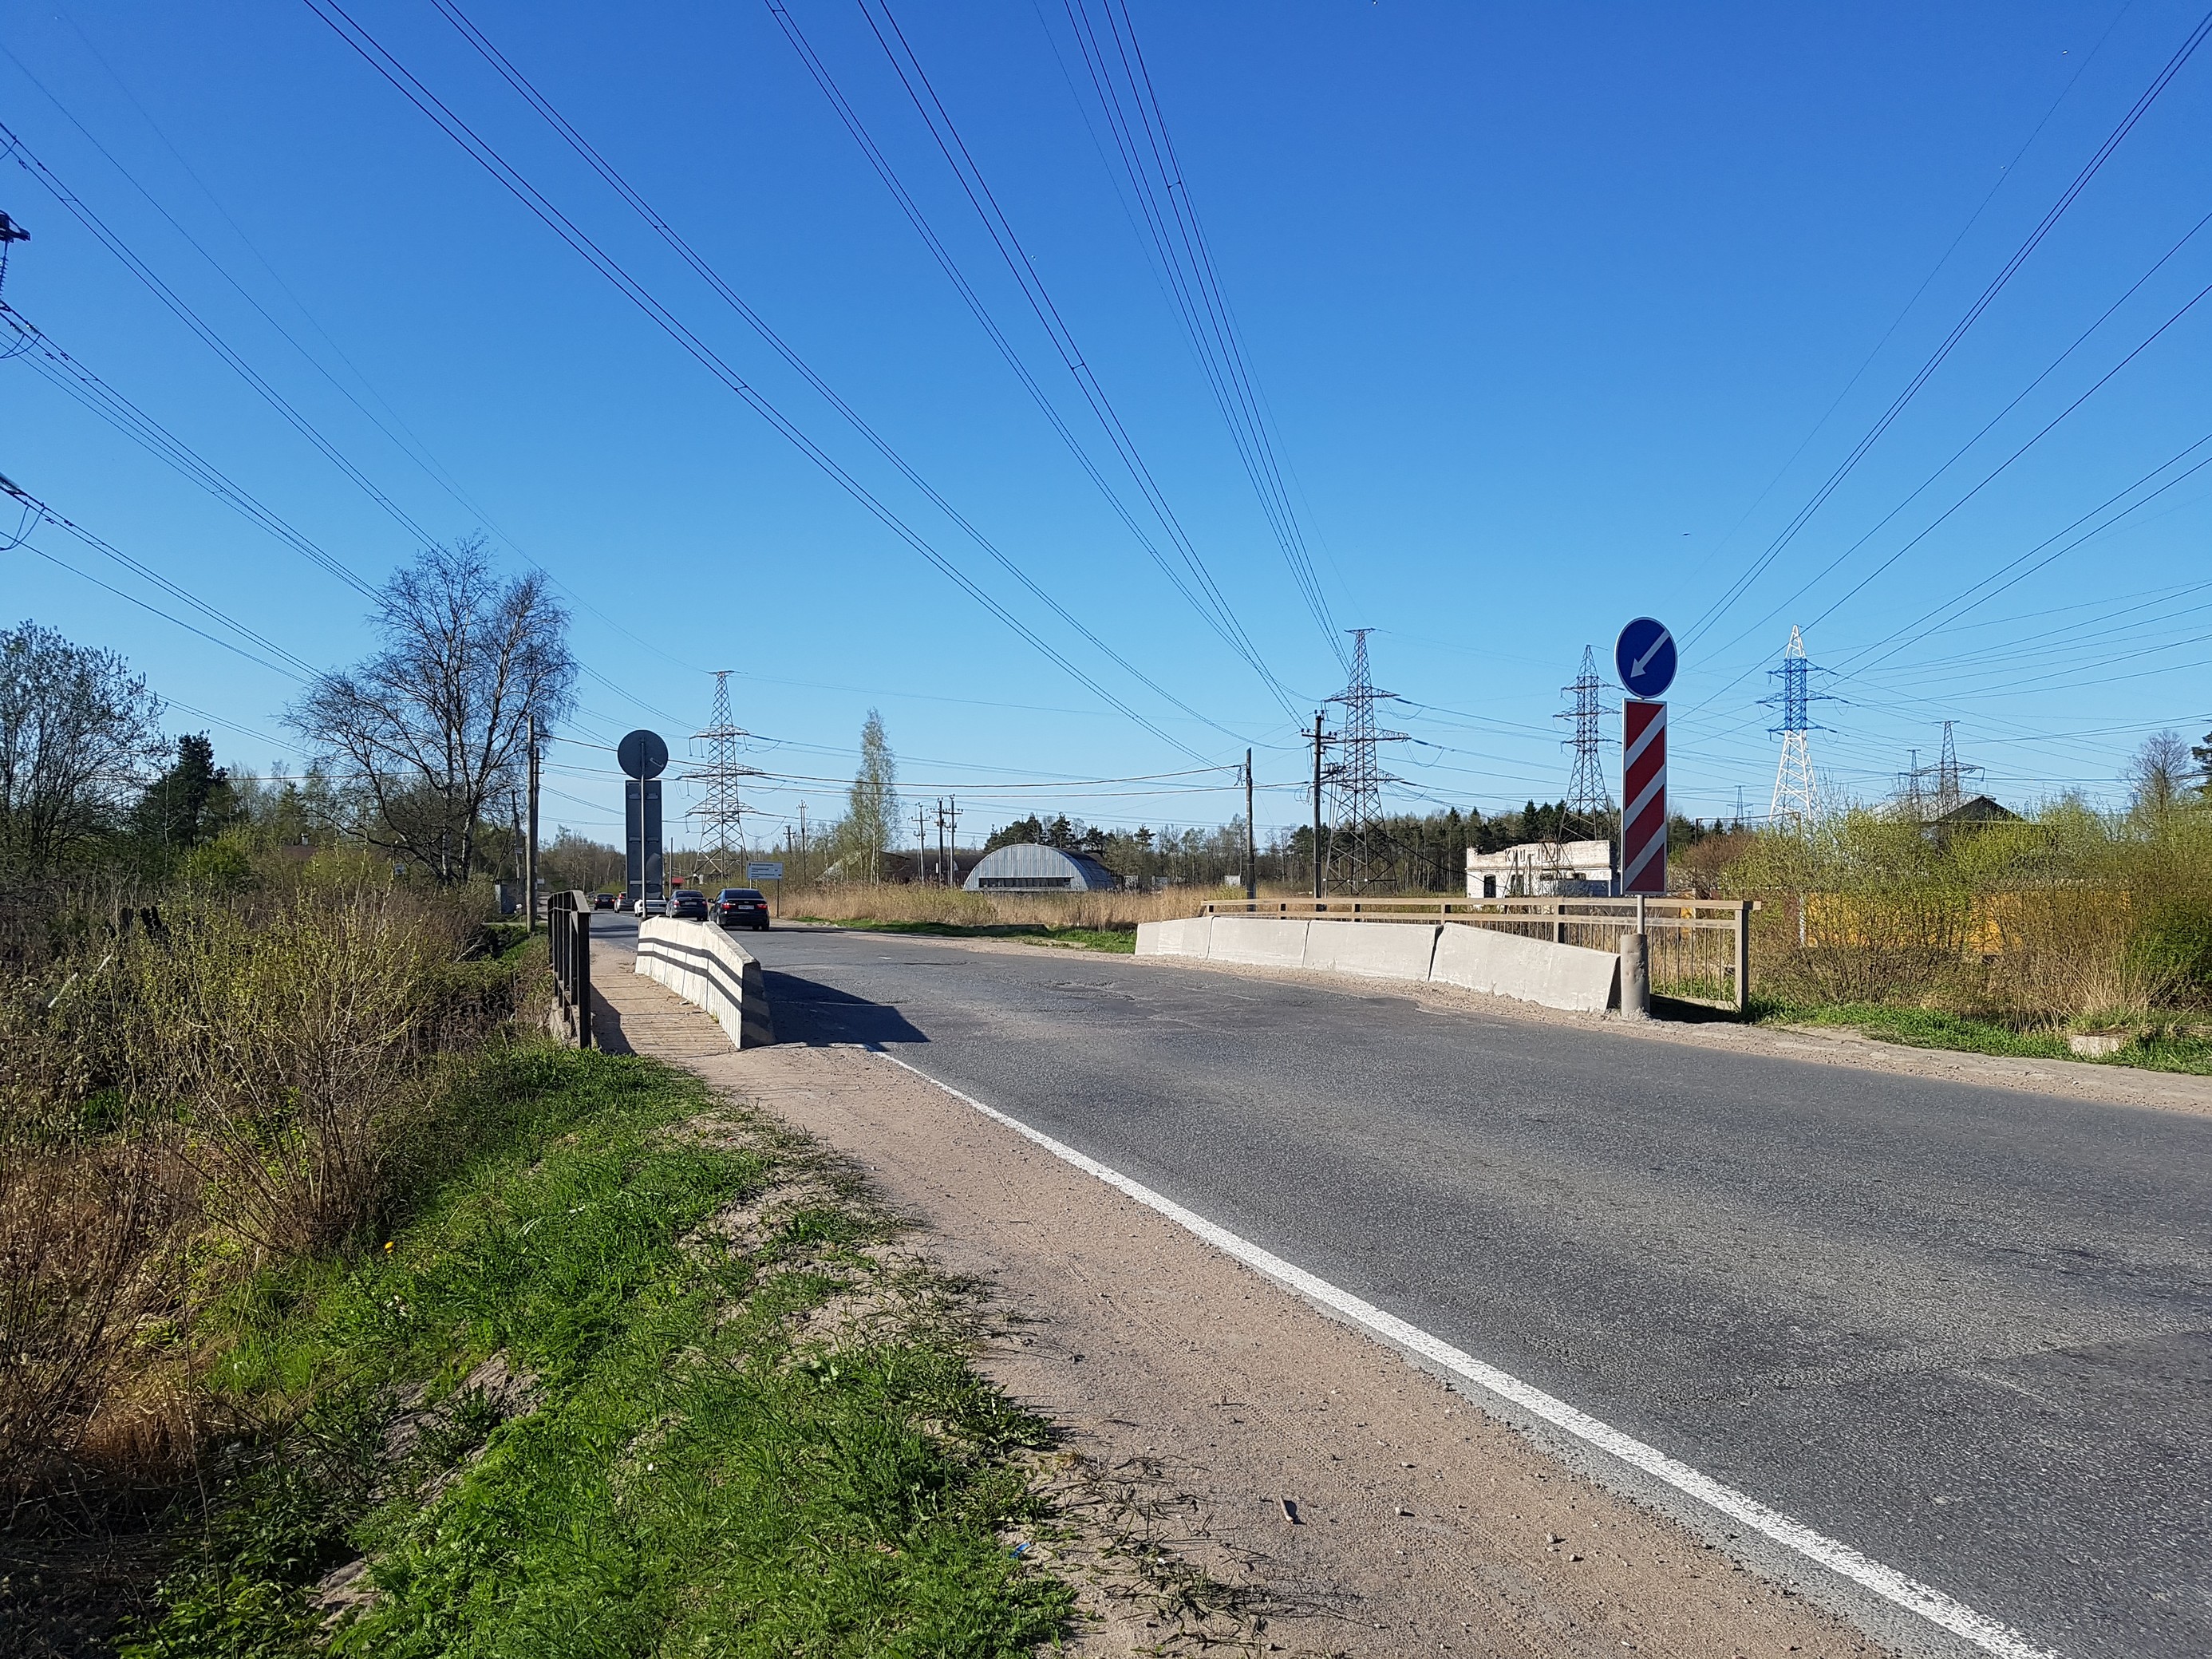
1644	788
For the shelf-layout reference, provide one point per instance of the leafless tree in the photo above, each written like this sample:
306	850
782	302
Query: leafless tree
2160	772
80	734
434	728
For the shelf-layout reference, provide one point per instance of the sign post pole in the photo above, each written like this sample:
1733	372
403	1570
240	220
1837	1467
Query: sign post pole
642	755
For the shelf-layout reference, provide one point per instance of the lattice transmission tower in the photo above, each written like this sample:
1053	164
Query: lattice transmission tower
1929	792
1355	841
720	809
1589	798
1796	800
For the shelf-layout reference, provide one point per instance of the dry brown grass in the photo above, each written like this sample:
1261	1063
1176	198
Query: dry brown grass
88	1237
891	902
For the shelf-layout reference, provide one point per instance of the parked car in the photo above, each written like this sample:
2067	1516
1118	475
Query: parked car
603	901
741	906
689	905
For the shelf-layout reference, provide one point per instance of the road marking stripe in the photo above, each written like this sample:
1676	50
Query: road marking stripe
1840	1559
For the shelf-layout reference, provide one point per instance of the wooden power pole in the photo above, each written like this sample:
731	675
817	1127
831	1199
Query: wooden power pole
1316	803
1251	836
529	853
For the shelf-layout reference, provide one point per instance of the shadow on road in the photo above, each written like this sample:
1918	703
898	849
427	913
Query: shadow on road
810	1012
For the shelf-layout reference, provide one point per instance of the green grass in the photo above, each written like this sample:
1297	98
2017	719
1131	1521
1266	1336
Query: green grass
693	1477
2163	1050
1121	940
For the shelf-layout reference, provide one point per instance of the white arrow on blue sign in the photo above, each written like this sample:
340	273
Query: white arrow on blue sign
1645	654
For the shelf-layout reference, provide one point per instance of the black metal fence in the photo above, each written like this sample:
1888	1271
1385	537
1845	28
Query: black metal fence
568	931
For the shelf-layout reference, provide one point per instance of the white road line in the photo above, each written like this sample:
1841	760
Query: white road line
1840	1559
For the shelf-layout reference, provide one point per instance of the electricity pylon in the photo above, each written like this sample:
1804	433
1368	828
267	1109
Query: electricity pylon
1796	800
1588	798
1356	781
720	809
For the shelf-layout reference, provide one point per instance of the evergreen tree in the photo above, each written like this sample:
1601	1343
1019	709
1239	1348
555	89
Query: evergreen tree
191	802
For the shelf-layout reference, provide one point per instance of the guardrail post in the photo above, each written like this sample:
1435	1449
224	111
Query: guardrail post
1635	978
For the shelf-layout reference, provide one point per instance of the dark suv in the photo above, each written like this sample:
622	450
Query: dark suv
741	906
688	903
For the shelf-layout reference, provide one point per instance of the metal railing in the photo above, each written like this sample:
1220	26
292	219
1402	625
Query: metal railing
1699	949
568	932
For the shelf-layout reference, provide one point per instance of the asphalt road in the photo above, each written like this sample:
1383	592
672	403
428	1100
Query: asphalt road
1965	1330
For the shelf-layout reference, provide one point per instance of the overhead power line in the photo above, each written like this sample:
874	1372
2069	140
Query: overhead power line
706	271
1990	477
1982	302
1208	599
79	382
191	320
35	510
403	81
1123	83
1989	425
404	439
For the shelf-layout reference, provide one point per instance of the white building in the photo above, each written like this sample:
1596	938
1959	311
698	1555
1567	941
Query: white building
1550	869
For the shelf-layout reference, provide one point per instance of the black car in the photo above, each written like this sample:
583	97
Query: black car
688	903
603	901
741	906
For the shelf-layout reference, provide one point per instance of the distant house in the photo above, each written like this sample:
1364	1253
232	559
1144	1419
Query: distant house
1968	814
1550	869
1025	867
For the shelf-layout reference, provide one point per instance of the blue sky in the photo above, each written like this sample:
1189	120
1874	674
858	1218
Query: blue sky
1561	315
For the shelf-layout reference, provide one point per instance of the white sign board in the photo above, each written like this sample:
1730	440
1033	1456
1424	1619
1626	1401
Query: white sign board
764	871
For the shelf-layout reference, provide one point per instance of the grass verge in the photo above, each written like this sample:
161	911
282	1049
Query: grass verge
1120	940
607	1391
2153	1048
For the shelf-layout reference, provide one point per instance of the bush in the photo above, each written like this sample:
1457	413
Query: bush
249	1079
2067	916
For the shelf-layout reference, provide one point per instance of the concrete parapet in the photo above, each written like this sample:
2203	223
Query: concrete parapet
1258	941
1531	970
1379	950
701	964
1185	937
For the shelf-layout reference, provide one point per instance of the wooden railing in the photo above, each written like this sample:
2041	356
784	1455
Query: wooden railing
568	932
1699	950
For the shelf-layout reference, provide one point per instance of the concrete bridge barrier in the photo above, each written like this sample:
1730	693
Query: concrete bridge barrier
1473	958
1534	969
1257	941
701	964
1399	950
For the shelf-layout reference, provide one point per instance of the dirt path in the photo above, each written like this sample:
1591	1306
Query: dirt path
1306	1491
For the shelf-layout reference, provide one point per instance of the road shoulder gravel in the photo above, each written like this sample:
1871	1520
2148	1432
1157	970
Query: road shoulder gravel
1239	1471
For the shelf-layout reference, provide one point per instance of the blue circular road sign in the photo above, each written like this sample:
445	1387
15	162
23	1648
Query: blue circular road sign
1645	654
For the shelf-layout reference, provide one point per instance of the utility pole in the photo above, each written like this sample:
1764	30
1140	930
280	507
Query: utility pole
1251	841
802	841
1316	803
920	845
940	837
530	856
952	856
